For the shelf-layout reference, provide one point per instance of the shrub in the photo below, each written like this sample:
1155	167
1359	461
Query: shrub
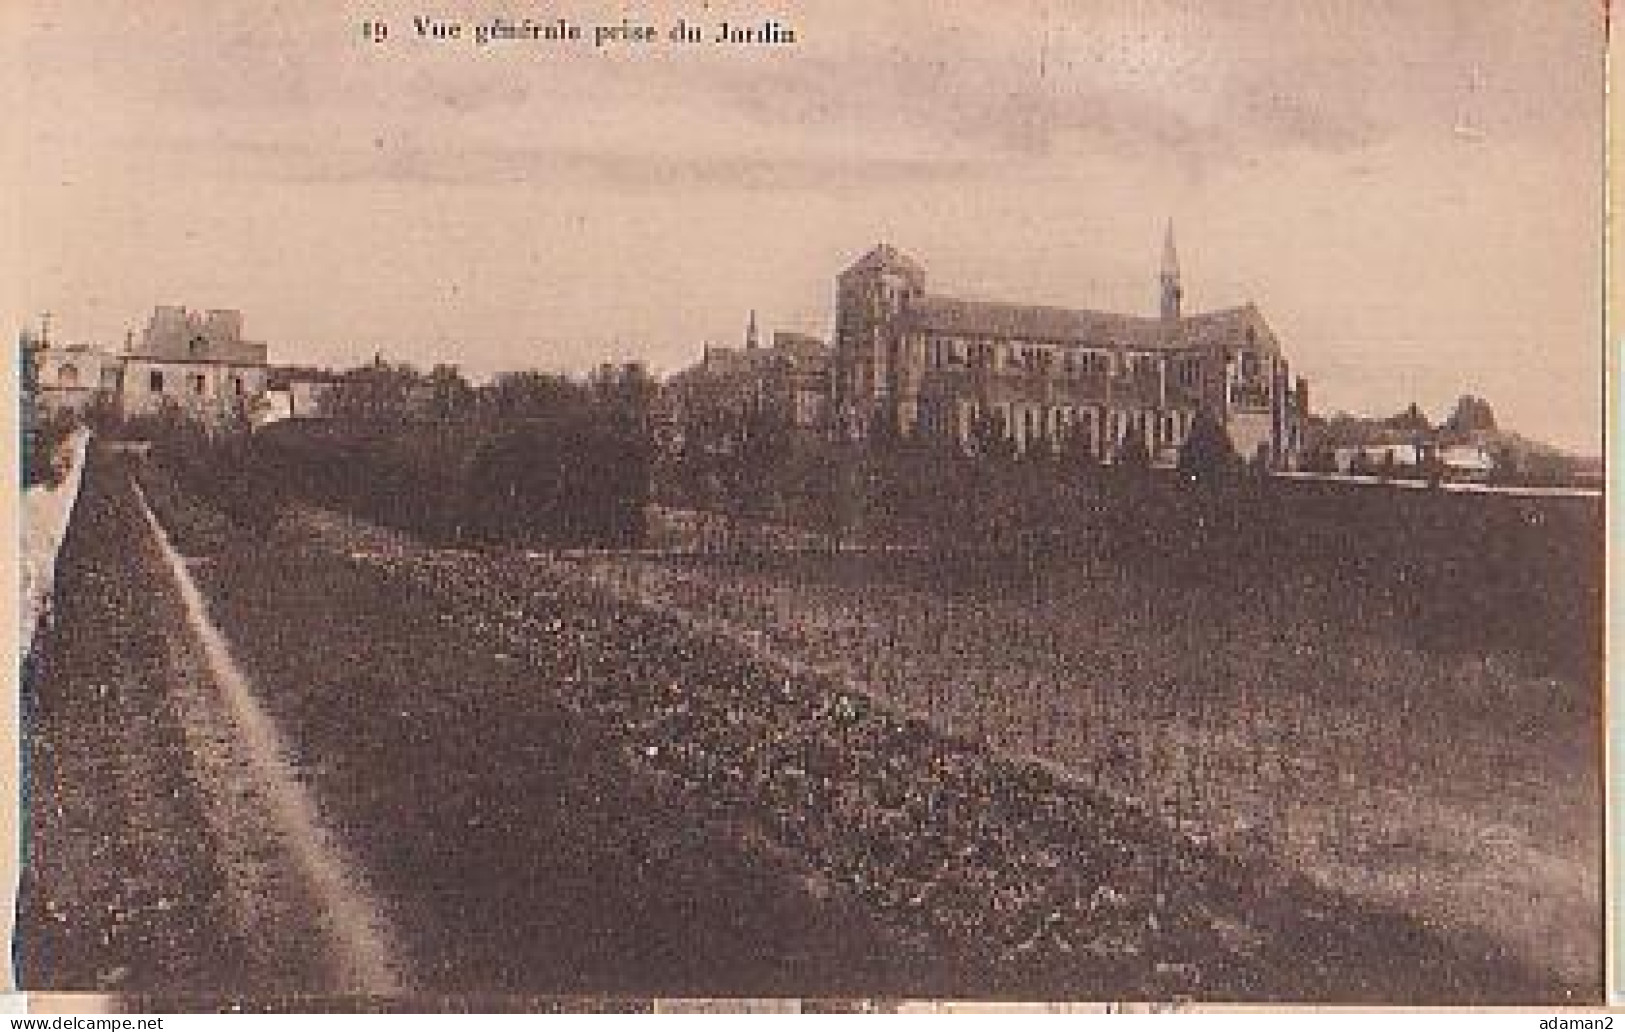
43	437
1208	453
573	481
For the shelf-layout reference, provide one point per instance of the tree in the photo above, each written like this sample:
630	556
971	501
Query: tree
758	447
627	388
240	415
1042	448
831	487
1430	465
44	428
733	451
1077	447
989	437
624	400
1472	415
37	466
1508	463
1320	459
1133	453
1412	421
378	390
529	394
1208	453
702	412
885	428
450	396
104	415
574	478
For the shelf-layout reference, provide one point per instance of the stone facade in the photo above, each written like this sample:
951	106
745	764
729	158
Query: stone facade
71	376
917	362
298	393
197	361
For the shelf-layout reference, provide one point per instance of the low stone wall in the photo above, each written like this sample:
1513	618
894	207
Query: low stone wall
43	517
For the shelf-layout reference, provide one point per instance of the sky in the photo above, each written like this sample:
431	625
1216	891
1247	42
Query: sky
1411	192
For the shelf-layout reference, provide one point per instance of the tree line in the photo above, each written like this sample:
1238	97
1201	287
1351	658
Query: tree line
43	429
742	457
528	460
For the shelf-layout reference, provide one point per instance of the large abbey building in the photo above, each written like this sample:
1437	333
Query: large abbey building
923	363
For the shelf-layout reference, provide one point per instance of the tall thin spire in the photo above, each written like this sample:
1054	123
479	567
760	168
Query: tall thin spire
1171	291
750	332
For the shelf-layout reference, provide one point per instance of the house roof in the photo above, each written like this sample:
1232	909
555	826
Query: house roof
799	345
883	257
1230	327
1241	326
177	334
198	345
283	377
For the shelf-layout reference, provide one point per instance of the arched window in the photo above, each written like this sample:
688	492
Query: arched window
155	381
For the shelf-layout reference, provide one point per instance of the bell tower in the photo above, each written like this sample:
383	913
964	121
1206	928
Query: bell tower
870	298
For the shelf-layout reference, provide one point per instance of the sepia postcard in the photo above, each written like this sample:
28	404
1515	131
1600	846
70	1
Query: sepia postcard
821	506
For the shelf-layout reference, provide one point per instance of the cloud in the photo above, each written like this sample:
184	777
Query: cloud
1323	158
912	86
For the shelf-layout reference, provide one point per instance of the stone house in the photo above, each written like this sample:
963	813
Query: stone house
196	361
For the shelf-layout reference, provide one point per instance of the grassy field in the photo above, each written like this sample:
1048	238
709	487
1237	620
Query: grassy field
613	799
520	848
1114	782
1297	717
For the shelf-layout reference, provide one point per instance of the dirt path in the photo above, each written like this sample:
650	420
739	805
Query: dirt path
119	887
172	846
283	865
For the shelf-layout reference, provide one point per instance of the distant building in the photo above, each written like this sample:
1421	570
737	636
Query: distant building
926	363
1467	462
197	361
295	392
1351	458
798	378
792	377
72	375
1460	461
